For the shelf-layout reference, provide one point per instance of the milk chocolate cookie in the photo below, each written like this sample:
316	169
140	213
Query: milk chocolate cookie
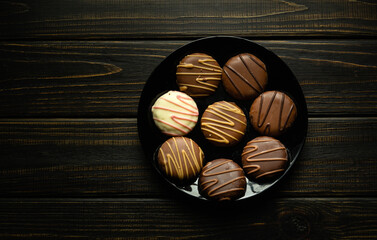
223	124
198	75
244	76
222	179
180	159
272	113
264	158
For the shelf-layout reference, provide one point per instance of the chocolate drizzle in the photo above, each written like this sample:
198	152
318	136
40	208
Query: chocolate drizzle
222	179
264	157
251	72
268	109
244	76
198	75
240	77
272	113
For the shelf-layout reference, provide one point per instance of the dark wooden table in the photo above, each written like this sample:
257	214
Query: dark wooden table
71	74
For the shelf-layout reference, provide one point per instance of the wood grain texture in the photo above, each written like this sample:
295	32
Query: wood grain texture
105	79
163	19
292	218
103	158
72	72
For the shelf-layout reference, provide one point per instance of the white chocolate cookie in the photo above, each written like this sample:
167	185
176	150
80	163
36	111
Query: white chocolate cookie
175	113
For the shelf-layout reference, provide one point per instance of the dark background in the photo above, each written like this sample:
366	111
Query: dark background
71	75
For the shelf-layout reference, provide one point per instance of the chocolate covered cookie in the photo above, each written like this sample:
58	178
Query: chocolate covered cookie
198	75
264	158
223	123
272	113
175	113
222	179
244	76
180	159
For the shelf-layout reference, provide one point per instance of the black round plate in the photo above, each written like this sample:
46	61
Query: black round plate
163	79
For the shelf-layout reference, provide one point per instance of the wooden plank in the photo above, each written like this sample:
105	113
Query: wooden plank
105	79
103	158
292	218
82	19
